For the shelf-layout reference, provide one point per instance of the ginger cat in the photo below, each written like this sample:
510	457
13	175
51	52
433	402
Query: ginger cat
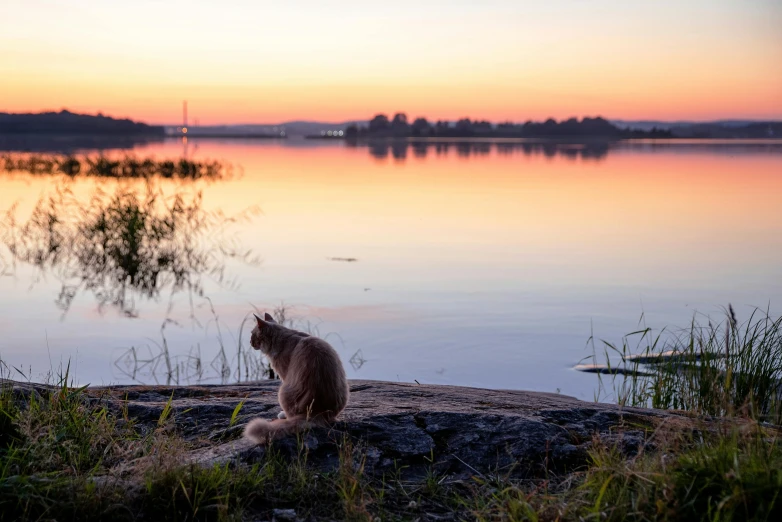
314	387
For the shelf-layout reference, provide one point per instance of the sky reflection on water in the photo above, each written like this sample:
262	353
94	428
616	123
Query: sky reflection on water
481	264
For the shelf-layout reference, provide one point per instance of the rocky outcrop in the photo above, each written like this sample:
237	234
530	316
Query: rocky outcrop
400	428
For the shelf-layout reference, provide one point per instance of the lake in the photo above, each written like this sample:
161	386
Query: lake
485	264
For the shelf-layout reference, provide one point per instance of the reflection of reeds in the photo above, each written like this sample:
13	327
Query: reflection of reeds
729	368
105	167
124	244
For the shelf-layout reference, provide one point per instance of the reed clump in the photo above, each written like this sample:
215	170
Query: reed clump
717	368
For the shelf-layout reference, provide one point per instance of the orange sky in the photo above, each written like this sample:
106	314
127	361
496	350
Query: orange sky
244	61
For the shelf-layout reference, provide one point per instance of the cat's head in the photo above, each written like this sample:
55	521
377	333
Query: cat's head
259	339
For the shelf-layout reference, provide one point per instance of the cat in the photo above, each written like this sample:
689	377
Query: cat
314	387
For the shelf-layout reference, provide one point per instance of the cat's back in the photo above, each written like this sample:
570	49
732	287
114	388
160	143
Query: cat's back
317	353
318	367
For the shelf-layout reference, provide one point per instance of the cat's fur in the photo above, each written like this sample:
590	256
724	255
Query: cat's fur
314	387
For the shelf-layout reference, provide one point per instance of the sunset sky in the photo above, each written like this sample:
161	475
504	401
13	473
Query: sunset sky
252	61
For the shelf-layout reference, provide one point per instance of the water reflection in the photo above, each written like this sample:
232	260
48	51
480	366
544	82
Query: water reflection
401	150
125	244
70	144
398	150
491	268
101	166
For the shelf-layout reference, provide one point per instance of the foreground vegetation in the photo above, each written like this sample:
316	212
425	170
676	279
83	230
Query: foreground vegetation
724	368
72	453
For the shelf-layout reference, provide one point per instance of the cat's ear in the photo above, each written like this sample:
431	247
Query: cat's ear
261	322
267	316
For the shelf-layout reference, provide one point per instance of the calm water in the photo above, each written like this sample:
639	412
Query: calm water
478	264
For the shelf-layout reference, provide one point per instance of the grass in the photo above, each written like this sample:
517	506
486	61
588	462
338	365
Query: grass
733	476
723	368
730	477
67	459
67	454
235	360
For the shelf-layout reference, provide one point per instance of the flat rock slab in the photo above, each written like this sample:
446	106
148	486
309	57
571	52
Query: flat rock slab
398	427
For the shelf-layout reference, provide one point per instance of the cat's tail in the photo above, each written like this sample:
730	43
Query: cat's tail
261	431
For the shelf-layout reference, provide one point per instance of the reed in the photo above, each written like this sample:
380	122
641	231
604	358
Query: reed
723	368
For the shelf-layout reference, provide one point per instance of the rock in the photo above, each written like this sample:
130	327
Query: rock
284	515
611	370
671	355
407	428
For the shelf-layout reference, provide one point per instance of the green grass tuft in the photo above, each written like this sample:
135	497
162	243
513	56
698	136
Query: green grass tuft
726	368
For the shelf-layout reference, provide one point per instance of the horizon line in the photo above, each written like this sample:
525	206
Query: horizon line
390	115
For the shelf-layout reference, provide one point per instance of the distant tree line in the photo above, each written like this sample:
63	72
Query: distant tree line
66	122
756	130
399	127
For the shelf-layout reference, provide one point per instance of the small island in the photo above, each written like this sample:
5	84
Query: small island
68	132
381	127
66	122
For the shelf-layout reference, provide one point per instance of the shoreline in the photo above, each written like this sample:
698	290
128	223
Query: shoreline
397	452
